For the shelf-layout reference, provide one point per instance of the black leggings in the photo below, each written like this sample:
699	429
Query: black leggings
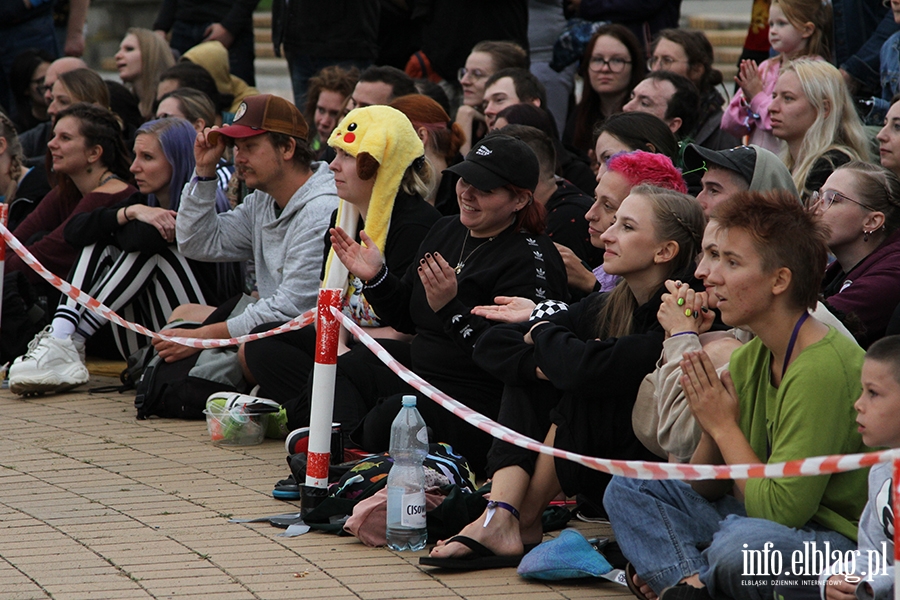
367	393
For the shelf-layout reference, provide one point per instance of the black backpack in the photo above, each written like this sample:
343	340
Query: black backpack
178	390
23	316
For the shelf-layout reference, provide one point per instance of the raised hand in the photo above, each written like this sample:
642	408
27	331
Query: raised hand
439	280
506	309
748	79
363	261
207	154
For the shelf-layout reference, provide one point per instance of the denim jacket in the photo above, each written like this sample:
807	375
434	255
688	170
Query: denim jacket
860	29
890	80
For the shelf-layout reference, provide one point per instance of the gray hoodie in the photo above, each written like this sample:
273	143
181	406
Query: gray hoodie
287	250
769	173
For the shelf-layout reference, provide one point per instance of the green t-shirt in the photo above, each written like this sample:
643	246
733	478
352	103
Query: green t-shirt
810	414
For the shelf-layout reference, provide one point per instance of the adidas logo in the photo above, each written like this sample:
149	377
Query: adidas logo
483	151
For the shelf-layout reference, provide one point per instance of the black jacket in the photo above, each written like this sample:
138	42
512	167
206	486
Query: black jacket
234	15
345	29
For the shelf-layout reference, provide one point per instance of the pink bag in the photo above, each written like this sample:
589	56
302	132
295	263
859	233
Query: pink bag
369	519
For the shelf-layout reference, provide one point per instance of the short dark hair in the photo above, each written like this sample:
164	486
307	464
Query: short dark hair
538	141
401	83
192	75
528	87
887	350
684	103
639	131
785	234
303	154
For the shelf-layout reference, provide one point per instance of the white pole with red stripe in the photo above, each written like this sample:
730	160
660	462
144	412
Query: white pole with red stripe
4	218
894	505
322	400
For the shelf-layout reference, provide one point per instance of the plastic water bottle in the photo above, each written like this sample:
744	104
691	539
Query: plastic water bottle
406	480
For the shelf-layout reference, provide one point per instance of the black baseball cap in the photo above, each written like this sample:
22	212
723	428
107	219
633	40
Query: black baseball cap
741	159
499	160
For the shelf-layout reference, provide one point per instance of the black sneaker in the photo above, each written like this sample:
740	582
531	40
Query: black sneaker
286	489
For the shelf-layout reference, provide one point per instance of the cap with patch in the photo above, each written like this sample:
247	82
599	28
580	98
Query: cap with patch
261	114
741	159
499	160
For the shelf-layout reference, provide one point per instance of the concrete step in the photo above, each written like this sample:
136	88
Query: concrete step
727	54
262	20
719	21
264	49
723	37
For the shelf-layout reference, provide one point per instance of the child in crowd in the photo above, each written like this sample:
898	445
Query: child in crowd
796	28
879	423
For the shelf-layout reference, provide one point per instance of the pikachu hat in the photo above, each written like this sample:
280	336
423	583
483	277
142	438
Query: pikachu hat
385	144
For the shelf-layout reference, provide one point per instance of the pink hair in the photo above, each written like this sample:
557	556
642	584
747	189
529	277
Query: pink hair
646	167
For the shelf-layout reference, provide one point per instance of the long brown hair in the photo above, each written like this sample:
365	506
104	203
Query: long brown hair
99	127
677	217
588	112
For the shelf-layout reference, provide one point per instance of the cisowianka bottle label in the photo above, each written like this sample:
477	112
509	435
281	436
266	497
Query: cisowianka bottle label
412	513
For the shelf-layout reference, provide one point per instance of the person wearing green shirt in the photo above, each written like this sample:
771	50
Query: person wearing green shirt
788	394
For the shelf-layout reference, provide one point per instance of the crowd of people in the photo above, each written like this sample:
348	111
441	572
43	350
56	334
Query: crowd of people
657	270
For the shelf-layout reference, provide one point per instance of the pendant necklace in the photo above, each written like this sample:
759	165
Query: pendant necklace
462	261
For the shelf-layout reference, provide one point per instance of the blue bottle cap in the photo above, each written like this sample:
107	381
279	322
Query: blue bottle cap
409	400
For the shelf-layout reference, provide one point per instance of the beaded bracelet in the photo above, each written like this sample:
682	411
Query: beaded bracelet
379	278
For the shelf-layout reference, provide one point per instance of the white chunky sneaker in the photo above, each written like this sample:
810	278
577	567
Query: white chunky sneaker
50	365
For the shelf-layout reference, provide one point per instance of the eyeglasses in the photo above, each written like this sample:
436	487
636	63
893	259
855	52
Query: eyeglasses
664	62
615	64
819	202
475	74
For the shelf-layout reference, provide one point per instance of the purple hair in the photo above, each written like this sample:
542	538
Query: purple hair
176	137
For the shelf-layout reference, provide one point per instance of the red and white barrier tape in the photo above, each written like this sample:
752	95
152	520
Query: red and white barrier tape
99	308
635	469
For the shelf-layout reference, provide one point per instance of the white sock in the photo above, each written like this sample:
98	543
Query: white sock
62	328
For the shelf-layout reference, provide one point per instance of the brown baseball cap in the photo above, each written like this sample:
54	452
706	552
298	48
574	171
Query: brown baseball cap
263	113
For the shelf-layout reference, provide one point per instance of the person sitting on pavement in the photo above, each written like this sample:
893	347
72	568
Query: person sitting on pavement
128	262
571	378
389	205
787	395
493	247
281	225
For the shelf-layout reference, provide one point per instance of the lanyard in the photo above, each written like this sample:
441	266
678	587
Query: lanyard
790	348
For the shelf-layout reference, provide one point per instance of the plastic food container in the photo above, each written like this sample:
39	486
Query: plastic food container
234	426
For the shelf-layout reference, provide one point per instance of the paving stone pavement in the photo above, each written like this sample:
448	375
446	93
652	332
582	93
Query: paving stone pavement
95	504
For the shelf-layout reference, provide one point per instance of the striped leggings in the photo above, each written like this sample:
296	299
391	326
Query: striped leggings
141	288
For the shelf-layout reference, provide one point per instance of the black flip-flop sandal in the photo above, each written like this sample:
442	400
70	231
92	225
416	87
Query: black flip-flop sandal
481	558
